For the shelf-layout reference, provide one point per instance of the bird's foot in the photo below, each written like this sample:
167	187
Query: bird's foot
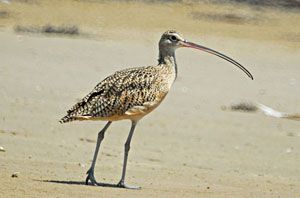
91	177
121	184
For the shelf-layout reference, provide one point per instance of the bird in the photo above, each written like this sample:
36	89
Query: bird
132	93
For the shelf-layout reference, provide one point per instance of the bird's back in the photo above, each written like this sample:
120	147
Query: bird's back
127	94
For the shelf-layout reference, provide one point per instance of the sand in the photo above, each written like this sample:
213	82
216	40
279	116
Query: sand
188	147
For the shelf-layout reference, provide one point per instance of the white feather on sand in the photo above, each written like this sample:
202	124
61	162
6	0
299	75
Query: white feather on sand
277	114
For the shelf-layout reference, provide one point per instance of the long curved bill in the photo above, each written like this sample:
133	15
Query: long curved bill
211	51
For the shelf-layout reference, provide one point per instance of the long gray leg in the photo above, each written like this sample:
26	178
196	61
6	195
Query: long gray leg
127	148
90	172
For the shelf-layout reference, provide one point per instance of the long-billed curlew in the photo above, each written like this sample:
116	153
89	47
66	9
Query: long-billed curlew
133	93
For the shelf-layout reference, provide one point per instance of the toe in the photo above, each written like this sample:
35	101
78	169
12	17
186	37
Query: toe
123	185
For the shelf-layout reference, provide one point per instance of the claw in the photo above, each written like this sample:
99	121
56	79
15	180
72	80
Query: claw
121	184
91	178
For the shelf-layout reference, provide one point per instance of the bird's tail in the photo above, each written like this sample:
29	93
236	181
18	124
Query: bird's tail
67	118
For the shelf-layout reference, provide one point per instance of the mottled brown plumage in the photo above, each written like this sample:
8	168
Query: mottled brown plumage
127	94
133	93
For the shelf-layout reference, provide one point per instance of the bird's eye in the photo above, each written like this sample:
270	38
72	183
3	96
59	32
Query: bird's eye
173	38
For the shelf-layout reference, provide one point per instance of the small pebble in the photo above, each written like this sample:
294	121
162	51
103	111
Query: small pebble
289	150
184	89
15	174
291	134
90	140
81	165
262	92
223	108
2	149
38	88
292	81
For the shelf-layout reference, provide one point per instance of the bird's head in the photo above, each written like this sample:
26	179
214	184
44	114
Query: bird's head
171	40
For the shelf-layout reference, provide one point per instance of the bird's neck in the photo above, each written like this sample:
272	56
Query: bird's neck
168	58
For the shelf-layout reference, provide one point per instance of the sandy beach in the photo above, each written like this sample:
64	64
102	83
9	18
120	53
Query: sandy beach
190	146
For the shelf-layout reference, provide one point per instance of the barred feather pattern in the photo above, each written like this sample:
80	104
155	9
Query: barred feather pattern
127	94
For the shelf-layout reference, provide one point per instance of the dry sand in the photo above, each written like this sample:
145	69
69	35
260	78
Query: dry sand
189	146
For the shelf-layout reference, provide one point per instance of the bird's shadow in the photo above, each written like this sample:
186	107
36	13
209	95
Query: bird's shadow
81	183
64	182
